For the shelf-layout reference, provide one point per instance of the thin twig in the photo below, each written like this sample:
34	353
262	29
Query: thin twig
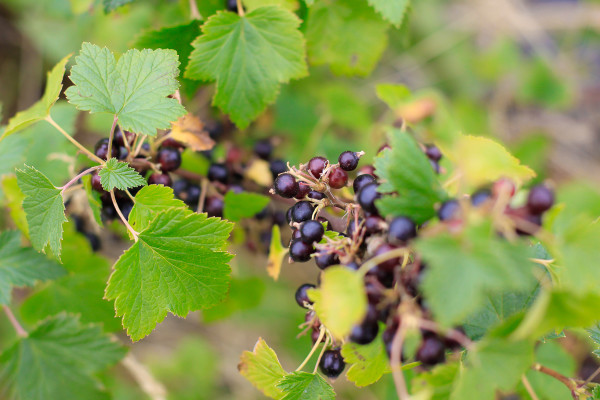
591	377
371	263
13	321
321	355
194	12
529	388
129	228
240	8
397	373
85	151
111	135
203	190
321	334
569	383
149	385
76	178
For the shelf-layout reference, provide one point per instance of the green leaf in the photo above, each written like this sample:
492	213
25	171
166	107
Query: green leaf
149	202
276	253
341	301
93	199
262	368
244	294
134	88
22	266
304	386
346	34
478	262
232	51
493	364
391	10
44	209
369	362
40	109
15	198
551	355
405	169
291	5
157	274
117	174
57	360
391	94
80	291
243	205
438	382
12	153
111	5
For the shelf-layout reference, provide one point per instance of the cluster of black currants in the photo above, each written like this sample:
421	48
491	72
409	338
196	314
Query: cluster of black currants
362	237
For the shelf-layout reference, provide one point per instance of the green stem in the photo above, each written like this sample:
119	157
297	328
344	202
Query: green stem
111	135
312	351
129	227
85	151
14	322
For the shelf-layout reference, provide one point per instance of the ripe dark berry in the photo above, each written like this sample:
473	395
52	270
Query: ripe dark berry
119	137
277	167
296	234
231	5
374	224
311	231
288	215
325	260
172	143
160	179
480	197
436	166
401	229
353	265
361	181
433	153
214	206
302	296
449	210
325	221
338	178
316	165
390	264
313	194
367	196
303	190
286	186
352	227
193	195
366	332
302	211
218	173
263	149
540	199
278	218
431	352
123	153
332	364
101	149
95	181
348	160
93	240
126	206
300	251
169	159
180	187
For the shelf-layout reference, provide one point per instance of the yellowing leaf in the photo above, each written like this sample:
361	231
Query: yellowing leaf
276	254
260	173
262	368
482	160
189	130
340	302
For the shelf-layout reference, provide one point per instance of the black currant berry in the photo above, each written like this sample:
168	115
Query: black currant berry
263	149
449	210
126	206
353	265
401	230
218	173
390	264
95	181
431	351
480	197
361	181
324	260
193	194
94	241
180	187
338	178
160	179
214	206
288	215
303	190
172	143
367	196
313	194
433	153
348	160
231	5
332	364
101	149
169	159
352	227
119	137
302	296
311	231
277	167
374	224
366	332
302	211
286	186
540	199
300	251
316	165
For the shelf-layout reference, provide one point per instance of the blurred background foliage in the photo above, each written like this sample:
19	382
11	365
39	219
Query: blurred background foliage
524	72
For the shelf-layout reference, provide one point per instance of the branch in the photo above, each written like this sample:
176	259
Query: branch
397	373
194	13
568	382
76	178
149	385
13	321
85	151
129	227
111	135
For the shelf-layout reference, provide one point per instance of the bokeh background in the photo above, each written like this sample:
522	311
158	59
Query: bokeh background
524	72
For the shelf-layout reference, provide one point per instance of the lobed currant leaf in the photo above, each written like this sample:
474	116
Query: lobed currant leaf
177	265
111	5
149	202
119	175
305	386
391	10
93	199
369	362
14	200
262	368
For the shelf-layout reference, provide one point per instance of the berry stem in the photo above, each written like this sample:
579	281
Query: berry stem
140	373
13	321
568	382
397	373
129	228
529	388
141	139
203	191
194	12
240	8
590	378
111	135
76	178
312	351
371	263
85	151
321	355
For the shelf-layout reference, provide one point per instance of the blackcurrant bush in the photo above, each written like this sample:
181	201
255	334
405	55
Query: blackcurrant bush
540	199
101	149
367	196
449	210
316	165
480	197
302	296
277	167
311	231
303	190
361	181
332	364
214	206
302	211
401	230
169	159
218	173
286	186
348	160
263	149
300	251
160	179
338	178
366	332
431	351
433	152
326	259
